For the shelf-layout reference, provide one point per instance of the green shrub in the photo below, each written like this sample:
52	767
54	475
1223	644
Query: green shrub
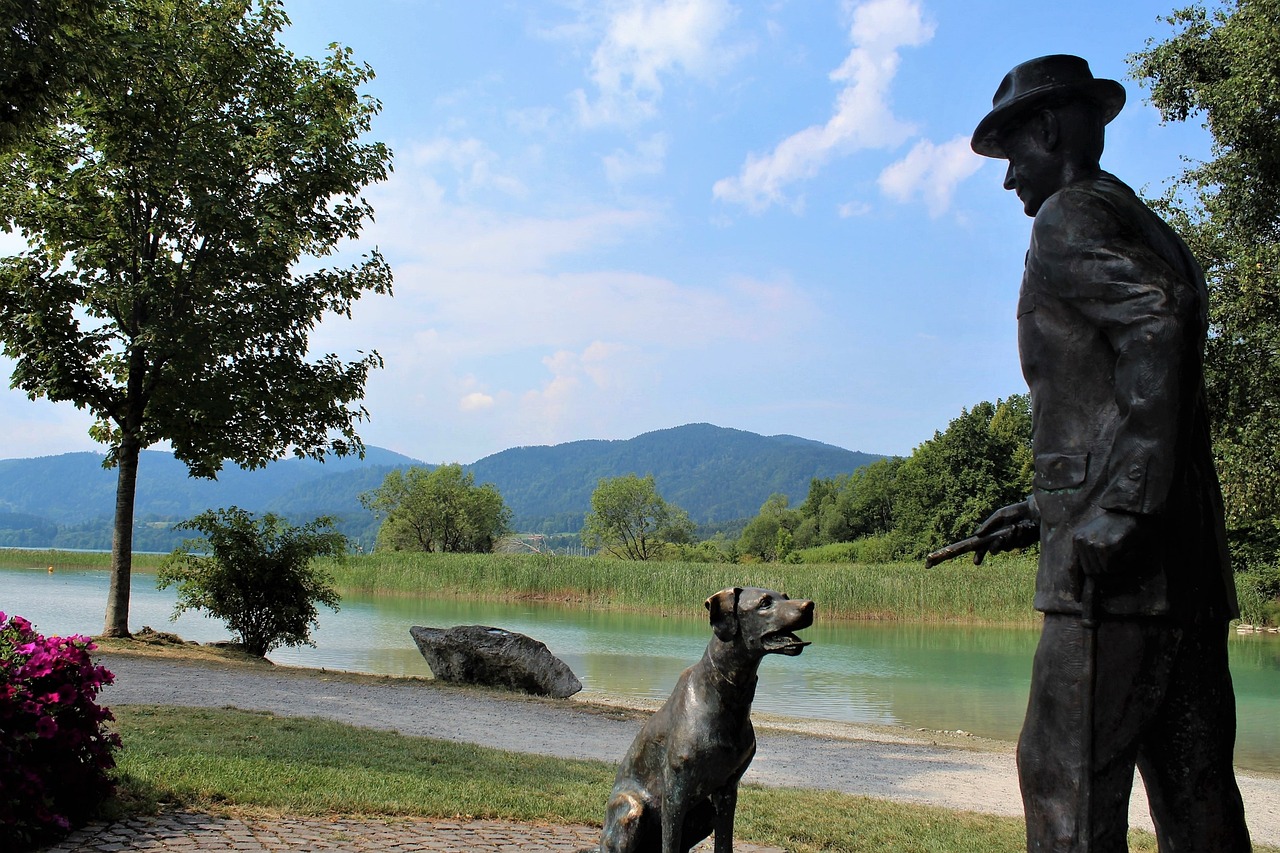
882	548
258	576
1258	591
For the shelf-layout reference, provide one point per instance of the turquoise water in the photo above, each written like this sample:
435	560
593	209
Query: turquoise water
919	676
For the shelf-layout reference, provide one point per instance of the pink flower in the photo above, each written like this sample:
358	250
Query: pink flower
58	752
46	727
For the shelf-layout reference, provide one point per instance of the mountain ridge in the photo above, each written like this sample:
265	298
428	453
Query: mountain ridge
715	473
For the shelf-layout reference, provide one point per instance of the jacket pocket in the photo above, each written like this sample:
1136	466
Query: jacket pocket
1058	482
1060	471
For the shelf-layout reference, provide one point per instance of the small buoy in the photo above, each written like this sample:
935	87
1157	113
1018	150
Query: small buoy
51	570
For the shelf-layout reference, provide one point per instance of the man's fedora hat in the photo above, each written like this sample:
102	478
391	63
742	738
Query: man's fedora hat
1032	83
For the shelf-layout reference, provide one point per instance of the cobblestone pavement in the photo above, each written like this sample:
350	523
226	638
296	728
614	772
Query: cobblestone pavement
193	832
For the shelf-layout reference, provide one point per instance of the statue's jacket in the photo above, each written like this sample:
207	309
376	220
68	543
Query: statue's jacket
1111	331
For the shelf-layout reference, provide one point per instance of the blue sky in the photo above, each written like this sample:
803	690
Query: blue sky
613	217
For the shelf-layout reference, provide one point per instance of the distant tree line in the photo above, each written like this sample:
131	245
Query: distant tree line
906	506
896	507
151	533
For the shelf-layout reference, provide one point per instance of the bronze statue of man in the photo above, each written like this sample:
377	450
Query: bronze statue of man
1134	580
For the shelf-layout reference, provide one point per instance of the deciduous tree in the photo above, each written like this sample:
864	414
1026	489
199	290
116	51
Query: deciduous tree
630	520
1223	67
953	481
439	509
47	48
173	212
772	531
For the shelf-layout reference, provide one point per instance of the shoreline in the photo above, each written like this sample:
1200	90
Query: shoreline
946	769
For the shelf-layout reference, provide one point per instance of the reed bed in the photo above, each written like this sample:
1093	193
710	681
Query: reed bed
998	592
27	558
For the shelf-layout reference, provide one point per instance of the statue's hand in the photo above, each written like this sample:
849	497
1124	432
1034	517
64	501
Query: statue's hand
1018	524
1100	541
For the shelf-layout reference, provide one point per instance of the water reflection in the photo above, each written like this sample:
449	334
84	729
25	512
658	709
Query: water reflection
921	676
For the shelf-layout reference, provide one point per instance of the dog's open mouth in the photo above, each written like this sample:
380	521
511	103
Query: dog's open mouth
783	643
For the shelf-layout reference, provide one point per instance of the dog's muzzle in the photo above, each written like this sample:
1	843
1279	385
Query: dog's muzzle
785	642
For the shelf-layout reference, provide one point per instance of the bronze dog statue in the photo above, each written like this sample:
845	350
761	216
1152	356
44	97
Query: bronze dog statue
679	780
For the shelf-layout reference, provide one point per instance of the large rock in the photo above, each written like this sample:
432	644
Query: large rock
493	657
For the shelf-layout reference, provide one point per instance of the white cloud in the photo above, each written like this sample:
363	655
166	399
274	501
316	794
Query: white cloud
515	319
861	119
646	160
645	41
583	386
471	161
476	401
851	209
931	172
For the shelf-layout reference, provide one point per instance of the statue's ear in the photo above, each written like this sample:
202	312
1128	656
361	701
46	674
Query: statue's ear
723	607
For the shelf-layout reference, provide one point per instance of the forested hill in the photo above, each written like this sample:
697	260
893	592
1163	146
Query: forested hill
714	473
67	501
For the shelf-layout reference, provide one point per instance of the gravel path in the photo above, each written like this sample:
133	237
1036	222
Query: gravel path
902	765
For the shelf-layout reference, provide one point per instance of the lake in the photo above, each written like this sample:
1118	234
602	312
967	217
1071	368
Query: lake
946	677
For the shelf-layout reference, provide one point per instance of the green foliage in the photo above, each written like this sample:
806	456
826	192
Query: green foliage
440	509
1223	66
1258	591
850	507
257	575
878	549
167	206
47	47
939	494
770	535
952	482
20	530
630	520
1255	551
717	549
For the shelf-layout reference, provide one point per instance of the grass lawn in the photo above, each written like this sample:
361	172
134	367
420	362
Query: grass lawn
224	759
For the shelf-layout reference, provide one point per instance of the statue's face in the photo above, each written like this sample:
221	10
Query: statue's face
1035	172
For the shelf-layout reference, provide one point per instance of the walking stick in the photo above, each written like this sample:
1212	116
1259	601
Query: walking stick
1088	679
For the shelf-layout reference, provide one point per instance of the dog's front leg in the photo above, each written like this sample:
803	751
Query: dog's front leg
725	801
673	811
672	826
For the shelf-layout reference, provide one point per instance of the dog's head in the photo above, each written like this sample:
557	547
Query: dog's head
760	620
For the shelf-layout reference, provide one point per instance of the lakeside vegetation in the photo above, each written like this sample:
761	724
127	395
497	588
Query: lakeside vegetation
999	591
218	759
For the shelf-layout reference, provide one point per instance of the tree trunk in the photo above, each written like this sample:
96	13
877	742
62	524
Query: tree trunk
117	621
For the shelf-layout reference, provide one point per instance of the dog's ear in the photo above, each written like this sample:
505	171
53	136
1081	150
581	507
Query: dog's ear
723	607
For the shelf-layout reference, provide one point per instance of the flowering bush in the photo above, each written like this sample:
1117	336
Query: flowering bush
54	751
